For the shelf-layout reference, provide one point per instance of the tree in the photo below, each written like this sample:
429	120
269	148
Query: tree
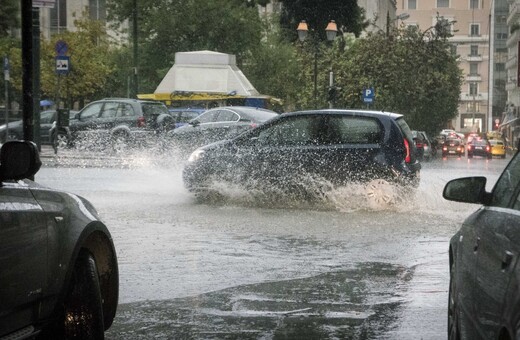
317	13
90	69
9	16
414	73
170	26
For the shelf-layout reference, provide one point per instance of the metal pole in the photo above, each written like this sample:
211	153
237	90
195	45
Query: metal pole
6	77
28	71
136	86
331	83
316	77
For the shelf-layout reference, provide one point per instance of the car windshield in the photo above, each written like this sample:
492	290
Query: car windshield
268	169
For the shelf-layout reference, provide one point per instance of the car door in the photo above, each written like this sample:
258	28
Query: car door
498	230
281	152
47	118
193	134
87	119
23	257
223	127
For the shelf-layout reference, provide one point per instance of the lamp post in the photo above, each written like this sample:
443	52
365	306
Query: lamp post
331	31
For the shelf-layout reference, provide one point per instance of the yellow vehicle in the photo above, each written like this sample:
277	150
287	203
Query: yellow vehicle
498	148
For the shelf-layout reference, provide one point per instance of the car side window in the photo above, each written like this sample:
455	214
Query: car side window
353	130
109	110
125	110
47	117
91	111
208	117
291	131
227	116
507	185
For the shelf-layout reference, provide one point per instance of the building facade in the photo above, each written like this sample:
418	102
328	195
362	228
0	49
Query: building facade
510	121
473	37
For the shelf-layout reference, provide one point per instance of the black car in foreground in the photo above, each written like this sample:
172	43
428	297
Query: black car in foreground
480	148
58	267
331	146
218	124
484	295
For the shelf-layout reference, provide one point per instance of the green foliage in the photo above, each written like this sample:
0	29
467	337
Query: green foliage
90	68
9	16
412	72
228	26
317	13
272	66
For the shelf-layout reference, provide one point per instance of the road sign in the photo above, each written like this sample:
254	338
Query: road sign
368	95
6	68
61	48
62	64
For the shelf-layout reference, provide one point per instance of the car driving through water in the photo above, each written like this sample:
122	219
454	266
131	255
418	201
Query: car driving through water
329	146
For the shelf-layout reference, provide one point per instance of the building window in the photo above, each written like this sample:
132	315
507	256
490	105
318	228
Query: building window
474	50
453	49
443	3
473	106
412	4
97	9
474	4
500	67
473	89
59	16
473	69
501	36
474	30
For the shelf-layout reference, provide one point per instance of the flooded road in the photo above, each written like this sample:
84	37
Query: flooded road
256	269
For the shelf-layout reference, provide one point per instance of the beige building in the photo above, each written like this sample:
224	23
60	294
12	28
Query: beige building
60	17
471	31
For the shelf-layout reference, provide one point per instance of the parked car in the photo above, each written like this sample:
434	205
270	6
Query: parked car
425	149
183	115
338	146
498	148
484	295
218	124
450	133
480	148
120	122
47	127
59	275
453	147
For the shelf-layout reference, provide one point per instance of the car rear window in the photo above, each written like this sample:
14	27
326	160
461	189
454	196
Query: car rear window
154	109
353	130
405	129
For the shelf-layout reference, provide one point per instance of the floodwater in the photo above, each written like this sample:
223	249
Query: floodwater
251	268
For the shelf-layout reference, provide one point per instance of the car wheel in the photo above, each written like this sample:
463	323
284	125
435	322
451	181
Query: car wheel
120	142
380	193
453	314
83	311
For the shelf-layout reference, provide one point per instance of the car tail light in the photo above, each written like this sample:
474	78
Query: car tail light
445	148
487	148
419	145
407	158
469	147
458	148
253	125
141	122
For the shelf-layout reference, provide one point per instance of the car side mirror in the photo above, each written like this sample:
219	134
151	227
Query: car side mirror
194	123
467	190
19	160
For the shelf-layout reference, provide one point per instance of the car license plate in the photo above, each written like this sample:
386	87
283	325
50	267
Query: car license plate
452	152
478	148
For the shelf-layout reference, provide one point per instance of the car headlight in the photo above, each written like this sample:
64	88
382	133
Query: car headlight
196	155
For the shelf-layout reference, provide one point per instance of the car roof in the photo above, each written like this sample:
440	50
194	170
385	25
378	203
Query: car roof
350	112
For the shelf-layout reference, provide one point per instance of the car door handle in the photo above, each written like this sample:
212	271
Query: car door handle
507	259
477	244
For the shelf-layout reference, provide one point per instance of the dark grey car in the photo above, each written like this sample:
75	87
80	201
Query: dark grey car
335	146
58	266
218	124
120	122
484	295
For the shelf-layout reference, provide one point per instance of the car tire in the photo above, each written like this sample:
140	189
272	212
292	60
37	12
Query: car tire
380	193
120	142
82	315
453	313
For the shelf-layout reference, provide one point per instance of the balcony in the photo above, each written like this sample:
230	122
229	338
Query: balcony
514	12
473	78
474	57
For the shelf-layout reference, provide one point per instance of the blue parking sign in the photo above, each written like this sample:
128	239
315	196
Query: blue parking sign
368	95
62	64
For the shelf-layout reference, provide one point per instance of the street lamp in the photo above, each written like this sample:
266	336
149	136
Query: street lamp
331	31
